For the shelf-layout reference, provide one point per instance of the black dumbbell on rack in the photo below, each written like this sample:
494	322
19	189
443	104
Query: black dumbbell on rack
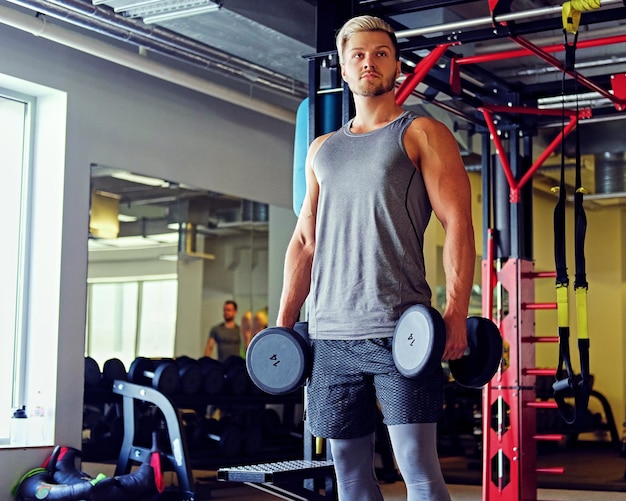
189	375
236	380
224	434
161	374
212	375
93	376
113	370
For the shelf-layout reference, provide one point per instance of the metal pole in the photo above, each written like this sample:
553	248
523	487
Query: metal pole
488	21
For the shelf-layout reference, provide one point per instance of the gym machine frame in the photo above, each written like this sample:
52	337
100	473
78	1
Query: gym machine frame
177	459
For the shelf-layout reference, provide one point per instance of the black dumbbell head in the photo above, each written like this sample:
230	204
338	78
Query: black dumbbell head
476	369
162	375
112	370
93	377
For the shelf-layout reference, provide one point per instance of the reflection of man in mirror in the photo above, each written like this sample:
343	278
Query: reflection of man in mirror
225	335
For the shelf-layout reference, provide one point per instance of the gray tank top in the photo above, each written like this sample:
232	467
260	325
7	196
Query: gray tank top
372	211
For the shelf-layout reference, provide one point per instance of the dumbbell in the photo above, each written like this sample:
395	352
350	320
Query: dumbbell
93	376
189	375
236	381
225	435
162	375
113	370
278	359
419	340
212	375
272	423
252	439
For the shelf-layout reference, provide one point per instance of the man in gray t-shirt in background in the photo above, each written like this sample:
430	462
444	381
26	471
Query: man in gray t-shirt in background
225	335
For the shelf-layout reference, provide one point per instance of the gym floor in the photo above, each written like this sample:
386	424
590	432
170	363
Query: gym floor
396	492
593	472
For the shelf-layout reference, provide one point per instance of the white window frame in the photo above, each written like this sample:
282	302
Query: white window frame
21	239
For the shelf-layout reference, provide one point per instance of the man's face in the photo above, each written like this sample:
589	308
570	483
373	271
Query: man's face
370	67
229	312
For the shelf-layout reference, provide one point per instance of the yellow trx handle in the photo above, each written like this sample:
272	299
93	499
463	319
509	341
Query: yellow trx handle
572	11
581	312
562	305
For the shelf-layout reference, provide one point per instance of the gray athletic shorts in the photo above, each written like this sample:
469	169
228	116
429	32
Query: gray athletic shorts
348	378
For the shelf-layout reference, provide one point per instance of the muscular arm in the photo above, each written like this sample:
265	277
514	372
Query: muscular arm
299	255
436	153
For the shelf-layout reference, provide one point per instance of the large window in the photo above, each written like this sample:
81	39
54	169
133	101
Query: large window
127	319
15	125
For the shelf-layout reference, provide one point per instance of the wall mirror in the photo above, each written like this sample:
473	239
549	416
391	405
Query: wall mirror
163	258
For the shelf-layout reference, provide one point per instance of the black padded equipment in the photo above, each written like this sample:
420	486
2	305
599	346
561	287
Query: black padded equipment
279	359
419	341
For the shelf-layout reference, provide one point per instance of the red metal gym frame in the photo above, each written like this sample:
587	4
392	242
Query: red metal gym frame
512	54
619	102
514	185
421	70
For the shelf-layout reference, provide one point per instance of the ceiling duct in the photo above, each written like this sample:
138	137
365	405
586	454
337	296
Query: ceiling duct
610	173
160	41
601	142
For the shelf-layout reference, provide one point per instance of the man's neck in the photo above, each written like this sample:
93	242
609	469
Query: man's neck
374	112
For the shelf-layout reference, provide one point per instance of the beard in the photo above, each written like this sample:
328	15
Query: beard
373	89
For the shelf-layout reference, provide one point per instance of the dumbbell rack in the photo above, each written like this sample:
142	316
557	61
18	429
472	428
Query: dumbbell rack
177	459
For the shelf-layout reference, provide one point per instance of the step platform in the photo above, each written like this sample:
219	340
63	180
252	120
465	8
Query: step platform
278	472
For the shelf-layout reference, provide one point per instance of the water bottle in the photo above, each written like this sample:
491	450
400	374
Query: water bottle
19	428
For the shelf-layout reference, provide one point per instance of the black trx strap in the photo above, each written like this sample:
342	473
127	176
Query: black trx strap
567	383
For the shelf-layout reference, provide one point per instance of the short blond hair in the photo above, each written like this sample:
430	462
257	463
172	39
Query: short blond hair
360	24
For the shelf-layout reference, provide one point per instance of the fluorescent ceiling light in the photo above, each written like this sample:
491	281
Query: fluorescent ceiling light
146	8
127	6
130	242
168	257
136	178
177	14
123	218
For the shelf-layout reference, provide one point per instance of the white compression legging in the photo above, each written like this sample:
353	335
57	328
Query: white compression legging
415	450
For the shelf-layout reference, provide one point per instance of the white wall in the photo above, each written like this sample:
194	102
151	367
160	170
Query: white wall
124	119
